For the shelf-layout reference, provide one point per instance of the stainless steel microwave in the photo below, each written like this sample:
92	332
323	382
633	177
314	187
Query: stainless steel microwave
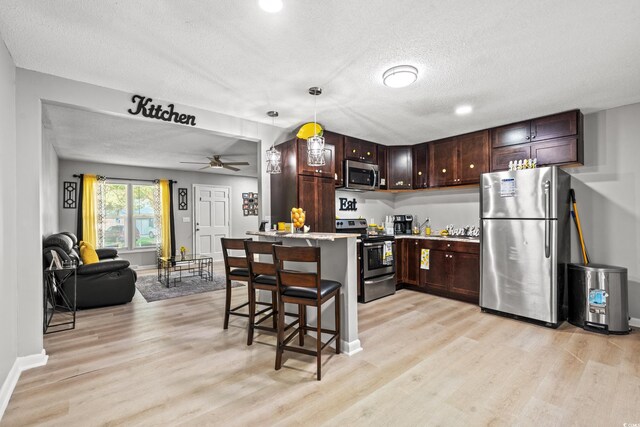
360	176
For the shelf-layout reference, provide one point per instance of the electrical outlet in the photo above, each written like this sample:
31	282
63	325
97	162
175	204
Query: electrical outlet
186	219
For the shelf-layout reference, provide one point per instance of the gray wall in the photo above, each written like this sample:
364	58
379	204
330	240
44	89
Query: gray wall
8	284
608	193
370	205
459	207
49	196
184	231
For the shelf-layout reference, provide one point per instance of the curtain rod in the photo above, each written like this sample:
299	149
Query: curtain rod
127	179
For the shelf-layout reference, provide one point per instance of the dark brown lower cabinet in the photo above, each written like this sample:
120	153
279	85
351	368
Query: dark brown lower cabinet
454	268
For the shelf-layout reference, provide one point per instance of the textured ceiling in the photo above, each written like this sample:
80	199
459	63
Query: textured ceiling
96	137
510	59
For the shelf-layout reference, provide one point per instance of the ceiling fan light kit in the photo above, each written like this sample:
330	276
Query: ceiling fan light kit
273	156
315	144
216	163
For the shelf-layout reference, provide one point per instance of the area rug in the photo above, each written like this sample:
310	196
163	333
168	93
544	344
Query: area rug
152	290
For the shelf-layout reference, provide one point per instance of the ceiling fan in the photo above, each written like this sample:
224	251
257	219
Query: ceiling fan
216	163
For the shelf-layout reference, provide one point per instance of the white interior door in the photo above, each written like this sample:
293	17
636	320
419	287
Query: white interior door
211	219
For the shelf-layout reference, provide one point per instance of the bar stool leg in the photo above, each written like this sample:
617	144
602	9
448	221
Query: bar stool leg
252	313
227	305
302	323
274	309
319	344
280	340
337	315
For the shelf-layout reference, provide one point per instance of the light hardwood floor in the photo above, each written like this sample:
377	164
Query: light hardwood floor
426	361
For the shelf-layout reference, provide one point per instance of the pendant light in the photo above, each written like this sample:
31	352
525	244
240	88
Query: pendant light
273	155
315	144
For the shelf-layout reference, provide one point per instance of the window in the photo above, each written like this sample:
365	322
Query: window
130	217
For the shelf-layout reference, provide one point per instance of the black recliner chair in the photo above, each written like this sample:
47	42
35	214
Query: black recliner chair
108	282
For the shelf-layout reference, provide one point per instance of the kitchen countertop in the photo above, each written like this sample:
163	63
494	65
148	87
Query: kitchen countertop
444	238
308	236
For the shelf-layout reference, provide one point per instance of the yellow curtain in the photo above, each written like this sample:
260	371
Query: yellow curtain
165	215
89	210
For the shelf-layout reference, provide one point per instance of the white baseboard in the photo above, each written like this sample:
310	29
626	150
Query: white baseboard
634	322
21	364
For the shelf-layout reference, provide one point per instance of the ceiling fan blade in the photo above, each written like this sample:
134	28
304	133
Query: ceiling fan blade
206	167
230	168
196	163
236	163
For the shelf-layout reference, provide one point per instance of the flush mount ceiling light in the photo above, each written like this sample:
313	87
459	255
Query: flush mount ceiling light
273	155
464	109
400	76
315	144
271	6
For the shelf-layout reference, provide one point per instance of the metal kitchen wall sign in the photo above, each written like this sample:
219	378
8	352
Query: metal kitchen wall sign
348	205
143	105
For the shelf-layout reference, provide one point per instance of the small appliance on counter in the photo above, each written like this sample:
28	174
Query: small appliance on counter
402	224
376	257
598	298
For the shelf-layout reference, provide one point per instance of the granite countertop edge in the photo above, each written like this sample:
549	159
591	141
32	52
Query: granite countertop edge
308	236
443	238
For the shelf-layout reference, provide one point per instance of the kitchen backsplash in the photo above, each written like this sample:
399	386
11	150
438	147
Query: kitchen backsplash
368	205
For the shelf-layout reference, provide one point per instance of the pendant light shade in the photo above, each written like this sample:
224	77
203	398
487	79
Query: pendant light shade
315	144
273	156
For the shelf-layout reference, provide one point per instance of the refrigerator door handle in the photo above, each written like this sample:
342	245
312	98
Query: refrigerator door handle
547	214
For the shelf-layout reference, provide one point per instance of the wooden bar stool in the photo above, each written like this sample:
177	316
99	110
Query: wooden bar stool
235	268
262	276
304	289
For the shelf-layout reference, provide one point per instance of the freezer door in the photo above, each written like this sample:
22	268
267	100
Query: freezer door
529	193
518	268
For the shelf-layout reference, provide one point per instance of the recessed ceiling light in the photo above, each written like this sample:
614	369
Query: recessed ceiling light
464	109
271	6
400	76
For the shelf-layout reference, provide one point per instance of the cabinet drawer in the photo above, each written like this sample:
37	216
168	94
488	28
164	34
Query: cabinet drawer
448	245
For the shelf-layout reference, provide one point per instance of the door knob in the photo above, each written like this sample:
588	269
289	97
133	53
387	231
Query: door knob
197	229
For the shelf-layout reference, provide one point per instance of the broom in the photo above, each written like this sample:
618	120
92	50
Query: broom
576	219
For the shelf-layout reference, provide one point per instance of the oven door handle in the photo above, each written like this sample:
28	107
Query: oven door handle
379	279
371	245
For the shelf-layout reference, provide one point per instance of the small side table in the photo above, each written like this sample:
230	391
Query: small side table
59	308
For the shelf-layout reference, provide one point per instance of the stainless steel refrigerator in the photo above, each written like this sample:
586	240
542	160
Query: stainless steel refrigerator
525	226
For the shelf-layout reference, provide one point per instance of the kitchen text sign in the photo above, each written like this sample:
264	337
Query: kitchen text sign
144	106
348	205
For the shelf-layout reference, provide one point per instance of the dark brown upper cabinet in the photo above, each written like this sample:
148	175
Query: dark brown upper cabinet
336	140
360	150
459	160
420	165
400	167
473	156
383	179
443	159
553	140
543	128
326	171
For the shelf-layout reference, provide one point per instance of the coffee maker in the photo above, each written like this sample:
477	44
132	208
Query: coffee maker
402	224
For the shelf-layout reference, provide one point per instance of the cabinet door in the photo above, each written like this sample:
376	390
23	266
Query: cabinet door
443	158
400	168
556	126
307	200
413	261
473	156
352	149
383	178
420	165
327	171
500	157
401	260
436	278
465	275
557	151
337	141
326	205
369	152
516	133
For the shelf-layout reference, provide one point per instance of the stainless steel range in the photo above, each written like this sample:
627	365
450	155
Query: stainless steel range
376	256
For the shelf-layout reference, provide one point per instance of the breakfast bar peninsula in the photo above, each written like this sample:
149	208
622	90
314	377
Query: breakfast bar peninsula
339	263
